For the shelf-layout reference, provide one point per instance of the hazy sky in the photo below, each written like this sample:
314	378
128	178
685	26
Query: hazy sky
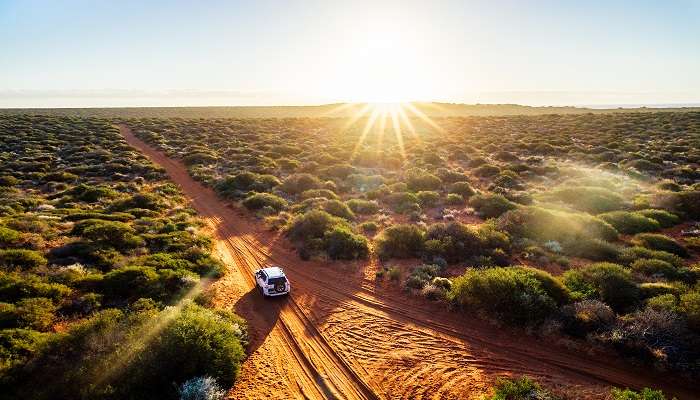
99	53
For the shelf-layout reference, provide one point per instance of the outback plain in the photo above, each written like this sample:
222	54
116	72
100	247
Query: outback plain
430	257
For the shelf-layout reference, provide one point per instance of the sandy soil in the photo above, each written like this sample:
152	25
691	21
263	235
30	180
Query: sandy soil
340	334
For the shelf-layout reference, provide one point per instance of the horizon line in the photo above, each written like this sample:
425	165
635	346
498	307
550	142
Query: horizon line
594	106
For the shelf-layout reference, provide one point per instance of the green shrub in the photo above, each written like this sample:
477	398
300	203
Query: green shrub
522	388
147	201
60	176
553	286
608	282
491	205
401	241
8	180
686	203
91	194
341	243
394	273
507	180
114	234
244	182
369	227
463	189
258	201
655	267
486	171
129	282
339	209
587	316
456	242
206	265
398	187
630	222
660	242
365	207
199	157
588	198
175	241
653	289
418	181
629	254
402	201
18	345
15	286
664	218
143	354
670	185
115	216
421	276
428	198
27	223
663	302
36	313
323	193
454	199
544	225
21	258
9	237
692	243
339	171
518	295
165	261
198	342
298	183
592	249
629	394
689	304
313	225
135	281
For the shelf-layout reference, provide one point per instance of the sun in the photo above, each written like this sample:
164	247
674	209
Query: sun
385	107
383	63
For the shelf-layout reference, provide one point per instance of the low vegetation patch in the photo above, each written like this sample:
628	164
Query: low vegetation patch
525	388
661	243
518	295
98	254
630	222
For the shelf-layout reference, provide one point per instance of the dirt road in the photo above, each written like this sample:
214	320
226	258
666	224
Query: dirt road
342	335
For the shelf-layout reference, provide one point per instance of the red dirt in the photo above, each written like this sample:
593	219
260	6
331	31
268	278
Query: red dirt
342	335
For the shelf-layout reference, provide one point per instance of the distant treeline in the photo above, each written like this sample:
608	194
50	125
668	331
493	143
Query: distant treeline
326	110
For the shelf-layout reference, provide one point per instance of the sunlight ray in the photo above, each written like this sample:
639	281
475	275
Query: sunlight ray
418	113
397	131
382	129
368	127
148	332
409	124
354	118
